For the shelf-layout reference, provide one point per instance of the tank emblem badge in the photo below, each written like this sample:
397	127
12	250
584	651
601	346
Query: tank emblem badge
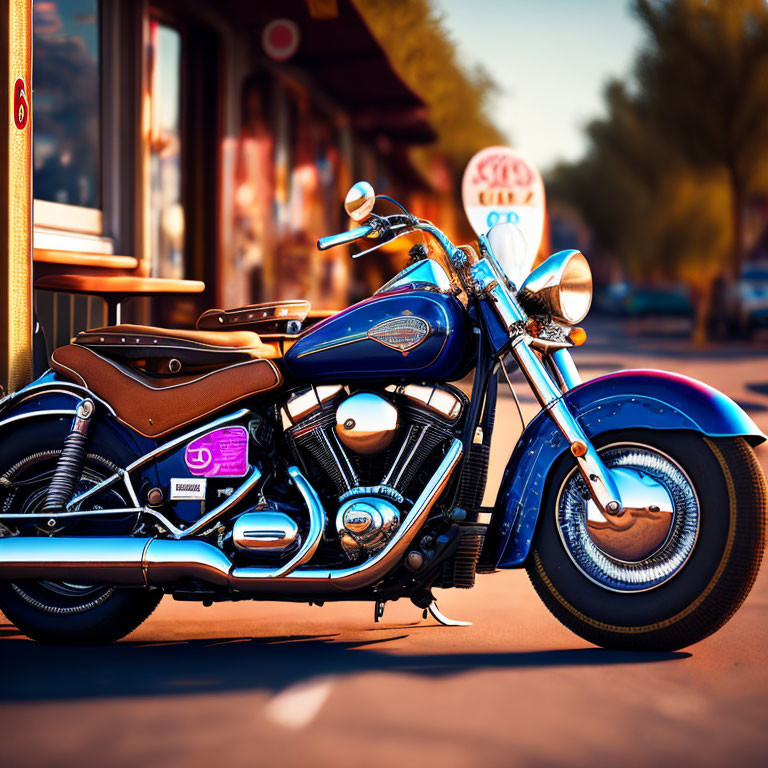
401	333
220	453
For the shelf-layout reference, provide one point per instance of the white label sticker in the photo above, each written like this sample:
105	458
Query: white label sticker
188	488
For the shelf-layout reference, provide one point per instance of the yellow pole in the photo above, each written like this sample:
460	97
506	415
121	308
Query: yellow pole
16	209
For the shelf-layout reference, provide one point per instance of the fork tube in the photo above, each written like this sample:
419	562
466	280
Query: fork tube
599	480
565	369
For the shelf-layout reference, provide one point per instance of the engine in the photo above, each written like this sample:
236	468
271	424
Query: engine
371	451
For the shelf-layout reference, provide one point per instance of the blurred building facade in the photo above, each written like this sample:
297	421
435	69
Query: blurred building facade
210	141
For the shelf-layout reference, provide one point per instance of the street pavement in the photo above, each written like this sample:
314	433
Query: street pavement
269	684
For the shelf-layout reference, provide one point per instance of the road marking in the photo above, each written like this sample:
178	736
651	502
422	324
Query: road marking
298	705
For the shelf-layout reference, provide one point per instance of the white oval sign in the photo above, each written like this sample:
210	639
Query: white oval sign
501	186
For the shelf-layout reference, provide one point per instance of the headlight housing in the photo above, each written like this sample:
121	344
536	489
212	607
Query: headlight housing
561	287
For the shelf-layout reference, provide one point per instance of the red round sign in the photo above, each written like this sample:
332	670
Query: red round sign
280	39
20	104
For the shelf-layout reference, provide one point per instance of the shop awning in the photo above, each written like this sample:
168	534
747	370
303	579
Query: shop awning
342	58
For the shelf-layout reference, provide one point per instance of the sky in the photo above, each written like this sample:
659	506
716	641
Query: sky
551	58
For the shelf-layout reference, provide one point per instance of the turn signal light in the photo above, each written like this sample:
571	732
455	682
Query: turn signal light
578	449
577	336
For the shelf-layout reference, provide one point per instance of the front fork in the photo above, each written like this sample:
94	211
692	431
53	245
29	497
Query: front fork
598	478
490	281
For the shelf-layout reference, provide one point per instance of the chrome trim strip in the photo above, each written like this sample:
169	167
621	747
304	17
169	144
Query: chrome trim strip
34	414
333	344
79	513
58	387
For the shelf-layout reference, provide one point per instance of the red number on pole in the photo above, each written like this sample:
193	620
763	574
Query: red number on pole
20	105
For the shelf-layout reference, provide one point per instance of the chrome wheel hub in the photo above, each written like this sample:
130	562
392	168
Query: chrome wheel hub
653	538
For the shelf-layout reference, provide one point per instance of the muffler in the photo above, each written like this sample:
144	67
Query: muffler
149	562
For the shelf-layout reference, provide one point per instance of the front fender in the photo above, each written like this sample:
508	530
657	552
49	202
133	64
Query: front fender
623	400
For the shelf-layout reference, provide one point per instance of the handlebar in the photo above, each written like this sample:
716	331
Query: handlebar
331	241
486	275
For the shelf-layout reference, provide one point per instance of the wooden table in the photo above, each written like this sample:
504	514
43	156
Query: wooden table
115	289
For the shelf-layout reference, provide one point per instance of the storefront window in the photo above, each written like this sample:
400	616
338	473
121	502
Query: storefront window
67	147
165	197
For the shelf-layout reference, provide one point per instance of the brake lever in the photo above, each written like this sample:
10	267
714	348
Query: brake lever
383	242
389	228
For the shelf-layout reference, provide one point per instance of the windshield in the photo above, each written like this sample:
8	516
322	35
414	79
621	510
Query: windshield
511	251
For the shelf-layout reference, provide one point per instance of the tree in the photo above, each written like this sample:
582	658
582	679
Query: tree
422	52
667	173
704	81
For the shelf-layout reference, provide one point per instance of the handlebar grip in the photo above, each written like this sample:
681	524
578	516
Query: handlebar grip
331	241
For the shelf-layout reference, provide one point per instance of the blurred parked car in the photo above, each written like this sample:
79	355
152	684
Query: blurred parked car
744	303
658	301
611	299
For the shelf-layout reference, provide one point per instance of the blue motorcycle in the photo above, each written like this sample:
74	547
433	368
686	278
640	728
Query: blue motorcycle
265	457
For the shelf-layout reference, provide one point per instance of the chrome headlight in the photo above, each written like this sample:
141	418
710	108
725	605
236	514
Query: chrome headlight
561	287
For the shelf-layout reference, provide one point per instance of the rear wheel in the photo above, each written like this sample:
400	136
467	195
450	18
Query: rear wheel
65	612
681	560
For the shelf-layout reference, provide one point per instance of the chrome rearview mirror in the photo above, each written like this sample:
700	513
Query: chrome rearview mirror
359	201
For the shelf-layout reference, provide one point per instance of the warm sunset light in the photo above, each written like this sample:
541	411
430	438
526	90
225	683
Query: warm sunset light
384	383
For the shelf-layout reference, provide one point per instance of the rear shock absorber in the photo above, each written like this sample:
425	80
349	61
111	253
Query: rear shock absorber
70	464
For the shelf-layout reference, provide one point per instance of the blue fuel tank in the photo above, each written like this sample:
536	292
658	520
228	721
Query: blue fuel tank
404	334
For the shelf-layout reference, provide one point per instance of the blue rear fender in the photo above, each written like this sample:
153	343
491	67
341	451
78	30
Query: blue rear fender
54	399
625	400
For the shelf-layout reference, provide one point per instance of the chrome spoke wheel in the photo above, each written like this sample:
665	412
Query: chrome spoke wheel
651	542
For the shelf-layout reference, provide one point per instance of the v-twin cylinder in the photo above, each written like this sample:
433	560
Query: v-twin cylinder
150	562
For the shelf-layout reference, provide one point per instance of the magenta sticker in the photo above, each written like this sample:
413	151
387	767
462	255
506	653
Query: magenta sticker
221	453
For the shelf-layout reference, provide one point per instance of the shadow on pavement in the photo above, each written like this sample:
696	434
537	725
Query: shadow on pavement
32	672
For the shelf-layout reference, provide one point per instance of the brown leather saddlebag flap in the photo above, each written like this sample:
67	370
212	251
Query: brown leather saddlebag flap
155	407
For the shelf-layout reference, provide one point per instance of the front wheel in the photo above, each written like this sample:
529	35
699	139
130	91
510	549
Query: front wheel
679	562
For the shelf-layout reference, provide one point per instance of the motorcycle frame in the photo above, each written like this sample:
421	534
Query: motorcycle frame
567	416
204	522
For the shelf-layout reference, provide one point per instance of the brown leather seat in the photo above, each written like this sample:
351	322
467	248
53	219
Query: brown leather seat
186	349
155	406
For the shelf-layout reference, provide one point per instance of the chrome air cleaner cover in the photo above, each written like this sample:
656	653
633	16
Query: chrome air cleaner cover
366	423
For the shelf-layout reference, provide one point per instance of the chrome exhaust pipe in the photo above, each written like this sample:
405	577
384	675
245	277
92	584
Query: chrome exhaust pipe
115	560
149	562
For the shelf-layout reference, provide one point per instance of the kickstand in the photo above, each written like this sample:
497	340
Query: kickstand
444	620
378	610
